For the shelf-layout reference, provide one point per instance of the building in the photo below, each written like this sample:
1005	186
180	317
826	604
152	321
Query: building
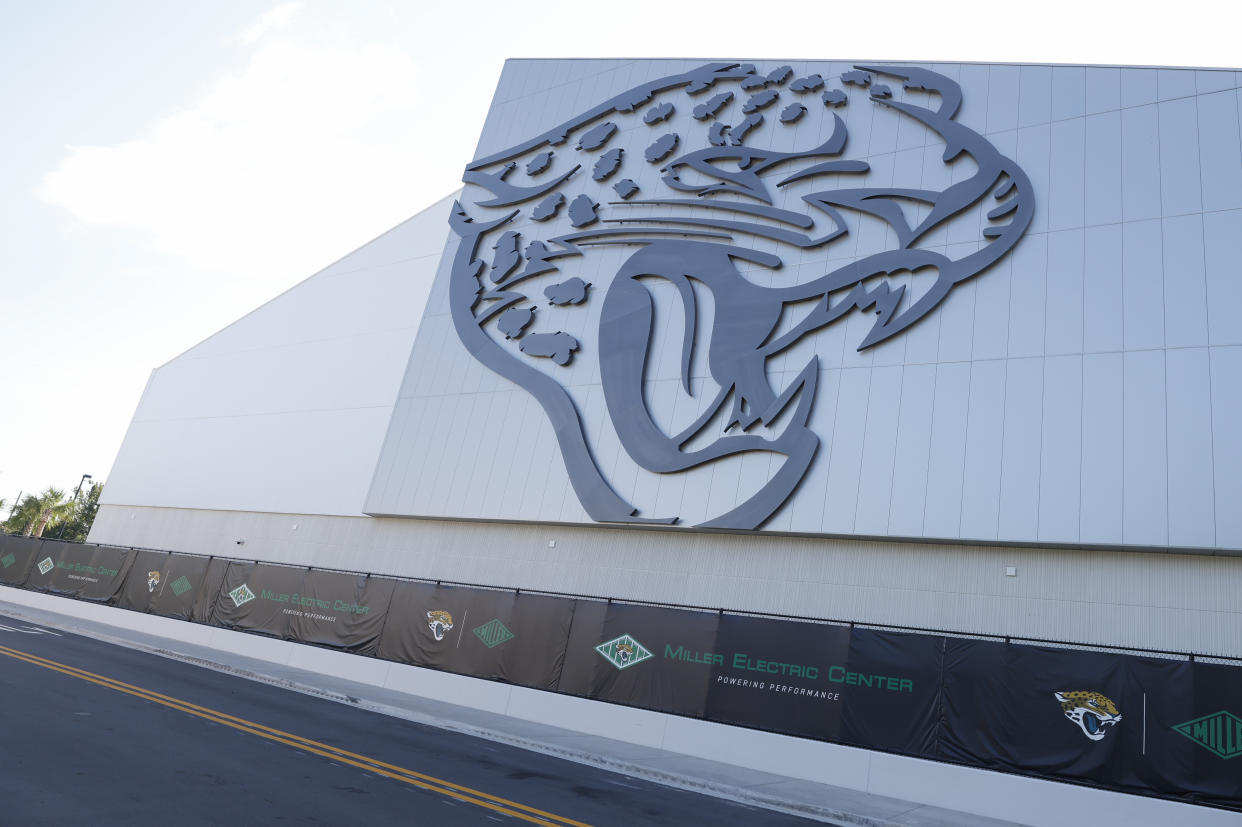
939	346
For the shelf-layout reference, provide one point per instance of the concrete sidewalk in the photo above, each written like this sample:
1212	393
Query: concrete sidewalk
832	805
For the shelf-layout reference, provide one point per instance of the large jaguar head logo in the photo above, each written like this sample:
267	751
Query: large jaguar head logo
1094	713
439	622
736	199
153	581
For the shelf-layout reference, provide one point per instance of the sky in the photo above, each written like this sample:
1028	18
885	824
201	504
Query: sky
167	167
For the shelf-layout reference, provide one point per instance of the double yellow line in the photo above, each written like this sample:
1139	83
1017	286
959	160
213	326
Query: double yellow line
416	779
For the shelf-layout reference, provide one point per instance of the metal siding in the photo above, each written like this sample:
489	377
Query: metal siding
1102	173
1019	484
910	463
875	484
1146	484
1028	294
1192	518
984	438
1132	258
1035	95
1140	163
845	464
1103	287
1060	464
1066	306
942	514
1103	89
1103	473
1226	376
1219	151
1068	166
1138	87
1179	155
1222	262
1142	293
1185	282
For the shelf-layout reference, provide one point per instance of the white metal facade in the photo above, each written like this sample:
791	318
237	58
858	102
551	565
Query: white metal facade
1071	416
1086	391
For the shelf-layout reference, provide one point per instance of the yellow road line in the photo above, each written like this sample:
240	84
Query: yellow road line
417	779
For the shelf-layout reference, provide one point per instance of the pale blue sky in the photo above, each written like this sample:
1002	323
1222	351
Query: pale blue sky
167	167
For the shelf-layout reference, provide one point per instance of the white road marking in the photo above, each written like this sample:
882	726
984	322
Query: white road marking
29	630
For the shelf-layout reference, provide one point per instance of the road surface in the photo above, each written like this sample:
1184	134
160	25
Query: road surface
94	733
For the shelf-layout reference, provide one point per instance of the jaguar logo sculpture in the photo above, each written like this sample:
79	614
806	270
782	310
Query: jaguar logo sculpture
699	179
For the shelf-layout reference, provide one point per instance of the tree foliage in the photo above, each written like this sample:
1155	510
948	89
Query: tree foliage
51	513
79	522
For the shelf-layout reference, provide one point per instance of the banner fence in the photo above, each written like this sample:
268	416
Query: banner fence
1151	723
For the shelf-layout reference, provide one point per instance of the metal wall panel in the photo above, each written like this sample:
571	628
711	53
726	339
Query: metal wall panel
1103	475
1221	232
1140	162
943	513
1220	155
1132	254
1226	369
1101	191
1019	483
1145	487
1192	517
1123	163
1061	450
985	430
1185	283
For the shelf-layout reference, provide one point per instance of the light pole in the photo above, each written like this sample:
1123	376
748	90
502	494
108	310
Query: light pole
76	491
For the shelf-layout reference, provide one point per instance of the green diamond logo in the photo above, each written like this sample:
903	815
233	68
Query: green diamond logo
181	585
241	594
623	652
1219	733
46	565
492	633
7	560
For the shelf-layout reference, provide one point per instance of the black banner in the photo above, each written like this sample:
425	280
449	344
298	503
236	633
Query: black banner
17	559
499	635
1048	711
344	611
778	675
1125	722
145	576
643	656
1196	752
87	572
249	598
891	688
164	583
209	593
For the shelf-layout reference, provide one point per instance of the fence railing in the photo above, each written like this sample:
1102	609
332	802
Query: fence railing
1122	718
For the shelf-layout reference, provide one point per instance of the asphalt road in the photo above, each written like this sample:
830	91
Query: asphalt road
94	733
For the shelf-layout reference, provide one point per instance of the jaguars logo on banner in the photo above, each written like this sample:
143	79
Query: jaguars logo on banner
439	622
1094	713
747	212
624	652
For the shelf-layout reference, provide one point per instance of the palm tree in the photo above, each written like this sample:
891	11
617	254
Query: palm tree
52	507
23	515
